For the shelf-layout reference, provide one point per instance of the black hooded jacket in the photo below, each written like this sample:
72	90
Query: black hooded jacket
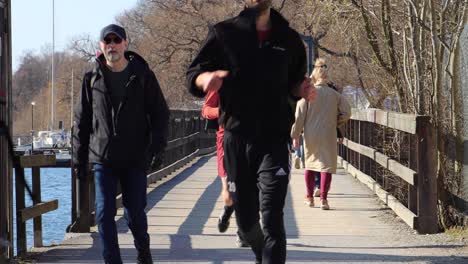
256	98
126	136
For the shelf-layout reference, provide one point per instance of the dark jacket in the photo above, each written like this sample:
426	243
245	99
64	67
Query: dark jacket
126	136
256	98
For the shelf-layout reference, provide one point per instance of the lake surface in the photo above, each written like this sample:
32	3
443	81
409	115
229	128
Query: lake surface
55	184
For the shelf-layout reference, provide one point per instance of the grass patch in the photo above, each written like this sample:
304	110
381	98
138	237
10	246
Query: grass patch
458	232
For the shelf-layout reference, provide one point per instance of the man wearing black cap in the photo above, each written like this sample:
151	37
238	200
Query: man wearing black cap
257	63
120	123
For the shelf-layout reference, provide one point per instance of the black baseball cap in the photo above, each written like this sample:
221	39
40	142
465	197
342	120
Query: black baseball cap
114	29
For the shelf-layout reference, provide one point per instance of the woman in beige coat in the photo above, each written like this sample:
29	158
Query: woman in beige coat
318	121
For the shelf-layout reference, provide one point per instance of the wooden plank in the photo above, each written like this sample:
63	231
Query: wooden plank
402	171
413	162
37	210
371	115
427	177
367	151
156	176
404	213
402	122
37	222
181	141
205	151
367	115
358	115
37	161
381	159
21	243
381	117
399	121
394	166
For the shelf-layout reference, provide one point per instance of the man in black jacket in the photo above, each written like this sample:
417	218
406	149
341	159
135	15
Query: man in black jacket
257	63
120	120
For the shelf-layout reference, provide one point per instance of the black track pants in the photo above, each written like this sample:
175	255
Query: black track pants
258	177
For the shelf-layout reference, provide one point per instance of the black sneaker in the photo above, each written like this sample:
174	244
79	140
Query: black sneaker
223	221
144	257
240	241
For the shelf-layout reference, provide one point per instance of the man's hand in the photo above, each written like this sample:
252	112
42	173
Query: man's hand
80	172
211	81
296	143
154	160
308	89
225	192
311	93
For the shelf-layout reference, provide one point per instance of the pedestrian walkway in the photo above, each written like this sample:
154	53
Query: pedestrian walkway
183	213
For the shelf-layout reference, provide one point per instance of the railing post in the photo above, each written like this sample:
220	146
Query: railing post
83	203
80	200
74	195
366	142
37	222
20	204
82	223
427	181
413	164
359	140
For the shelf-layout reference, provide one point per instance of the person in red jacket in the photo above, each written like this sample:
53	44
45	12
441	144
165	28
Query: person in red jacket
210	110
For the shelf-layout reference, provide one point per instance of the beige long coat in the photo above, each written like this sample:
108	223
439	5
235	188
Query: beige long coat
319	120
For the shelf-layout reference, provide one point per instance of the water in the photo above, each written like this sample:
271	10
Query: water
55	184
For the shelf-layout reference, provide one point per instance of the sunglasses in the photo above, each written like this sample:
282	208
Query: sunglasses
109	40
320	66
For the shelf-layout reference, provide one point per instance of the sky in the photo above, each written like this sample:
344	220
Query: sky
32	22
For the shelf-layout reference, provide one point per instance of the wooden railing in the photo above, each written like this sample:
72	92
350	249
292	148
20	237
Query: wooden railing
35	212
394	155
186	140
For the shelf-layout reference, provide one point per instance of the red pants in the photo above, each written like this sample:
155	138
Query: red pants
325	182
220	152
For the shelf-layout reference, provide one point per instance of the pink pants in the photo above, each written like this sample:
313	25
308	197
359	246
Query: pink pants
325	182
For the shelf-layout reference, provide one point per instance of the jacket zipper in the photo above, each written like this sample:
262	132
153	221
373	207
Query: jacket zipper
115	117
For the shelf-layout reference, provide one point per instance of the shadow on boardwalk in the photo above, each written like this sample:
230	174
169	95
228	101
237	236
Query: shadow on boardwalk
183	214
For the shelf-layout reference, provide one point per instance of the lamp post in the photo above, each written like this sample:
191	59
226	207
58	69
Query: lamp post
32	126
310	45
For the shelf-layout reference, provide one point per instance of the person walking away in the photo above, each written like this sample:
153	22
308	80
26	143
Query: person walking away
120	126
257	63
318	121
340	137
299	155
210	110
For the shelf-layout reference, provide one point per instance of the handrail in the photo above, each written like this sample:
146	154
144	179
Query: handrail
361	155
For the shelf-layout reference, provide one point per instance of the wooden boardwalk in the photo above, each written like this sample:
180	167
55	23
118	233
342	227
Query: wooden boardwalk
183	210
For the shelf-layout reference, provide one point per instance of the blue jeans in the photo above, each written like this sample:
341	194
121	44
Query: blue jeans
133	183
317	178
300	151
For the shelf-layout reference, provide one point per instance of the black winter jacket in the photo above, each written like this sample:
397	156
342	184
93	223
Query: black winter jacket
126	136
256	98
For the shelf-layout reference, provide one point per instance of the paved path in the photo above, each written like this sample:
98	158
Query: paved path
183	212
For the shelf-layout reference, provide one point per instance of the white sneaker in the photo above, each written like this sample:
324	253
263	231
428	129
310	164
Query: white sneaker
297	162
317	192
309	201
325	205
